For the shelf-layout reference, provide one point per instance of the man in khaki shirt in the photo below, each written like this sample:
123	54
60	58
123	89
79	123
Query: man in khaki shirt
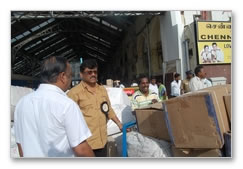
94	102
185	83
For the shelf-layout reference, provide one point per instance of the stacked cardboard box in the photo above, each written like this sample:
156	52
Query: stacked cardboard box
195	121
198	121
227	138
219	93
196	152
150	121
227	101
227	135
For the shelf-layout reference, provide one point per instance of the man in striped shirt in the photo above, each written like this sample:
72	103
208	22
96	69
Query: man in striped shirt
143	96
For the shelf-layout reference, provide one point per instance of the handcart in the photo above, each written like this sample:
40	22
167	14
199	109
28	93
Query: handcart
124	136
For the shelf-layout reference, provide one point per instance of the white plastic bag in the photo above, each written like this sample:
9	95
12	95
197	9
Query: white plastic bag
139	145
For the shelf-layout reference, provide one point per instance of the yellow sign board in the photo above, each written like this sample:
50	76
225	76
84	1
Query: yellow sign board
214	42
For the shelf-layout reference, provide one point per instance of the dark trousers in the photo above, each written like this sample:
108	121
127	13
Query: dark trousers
101	152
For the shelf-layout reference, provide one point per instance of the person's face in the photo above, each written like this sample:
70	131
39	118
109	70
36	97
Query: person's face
89	75
153	81
144	85
206	49
189	76
178	78
202	73
67	77
214	47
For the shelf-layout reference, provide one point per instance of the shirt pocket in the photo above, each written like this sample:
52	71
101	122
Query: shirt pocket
103	99
86	107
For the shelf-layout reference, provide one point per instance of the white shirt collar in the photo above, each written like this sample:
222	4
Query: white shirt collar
174	81
45	86
198	78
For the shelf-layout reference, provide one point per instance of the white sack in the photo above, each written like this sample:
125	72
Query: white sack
139	145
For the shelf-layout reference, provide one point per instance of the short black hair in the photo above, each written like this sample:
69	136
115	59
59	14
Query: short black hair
189	72
51	68
198	69
214	43
153	77
206	46
177	75
90	63
140	78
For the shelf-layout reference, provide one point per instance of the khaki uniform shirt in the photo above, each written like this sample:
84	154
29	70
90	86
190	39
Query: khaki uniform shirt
185	84
90	105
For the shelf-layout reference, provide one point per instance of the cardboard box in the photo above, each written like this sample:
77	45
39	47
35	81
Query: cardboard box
151	122
218	93
228	86
227	102
196	152
228	147
195	121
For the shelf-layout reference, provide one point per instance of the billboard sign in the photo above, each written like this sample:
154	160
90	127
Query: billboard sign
214	42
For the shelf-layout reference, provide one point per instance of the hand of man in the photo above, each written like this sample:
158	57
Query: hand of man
121	127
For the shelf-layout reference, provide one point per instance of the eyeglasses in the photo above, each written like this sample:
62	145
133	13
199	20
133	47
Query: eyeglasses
90	72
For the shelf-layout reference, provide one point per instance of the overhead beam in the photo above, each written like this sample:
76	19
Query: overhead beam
24	25
77	14
45	43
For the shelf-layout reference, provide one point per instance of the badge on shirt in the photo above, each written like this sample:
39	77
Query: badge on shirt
104	108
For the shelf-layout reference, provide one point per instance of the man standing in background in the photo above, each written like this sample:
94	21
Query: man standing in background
162	91
185	83
153	86
176	85
197	82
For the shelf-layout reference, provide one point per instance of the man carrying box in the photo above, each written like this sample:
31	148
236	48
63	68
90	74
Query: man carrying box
143	96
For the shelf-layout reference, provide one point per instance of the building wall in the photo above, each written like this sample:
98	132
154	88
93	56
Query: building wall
172	29
215	16
189	35
188	16
131	58
169	36
221	15
219	71
155	46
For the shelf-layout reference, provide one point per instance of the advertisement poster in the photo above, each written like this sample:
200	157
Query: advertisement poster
214	42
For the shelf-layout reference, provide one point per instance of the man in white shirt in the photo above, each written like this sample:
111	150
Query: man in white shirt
153	86
197	82
176	85
47	123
